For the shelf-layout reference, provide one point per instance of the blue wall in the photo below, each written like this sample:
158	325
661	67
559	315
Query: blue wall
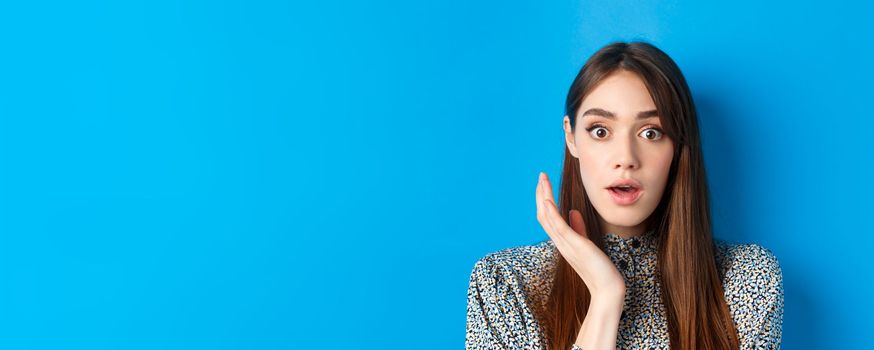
242	175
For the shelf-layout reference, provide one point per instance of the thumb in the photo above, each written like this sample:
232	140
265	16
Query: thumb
576	221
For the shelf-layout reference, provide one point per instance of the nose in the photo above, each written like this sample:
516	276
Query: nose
626	155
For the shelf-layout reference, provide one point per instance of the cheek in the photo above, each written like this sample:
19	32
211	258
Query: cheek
663	162
589	161
661	166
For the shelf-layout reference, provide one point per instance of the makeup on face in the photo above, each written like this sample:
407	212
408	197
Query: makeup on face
622	150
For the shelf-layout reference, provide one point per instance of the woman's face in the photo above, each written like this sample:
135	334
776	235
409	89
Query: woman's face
619	136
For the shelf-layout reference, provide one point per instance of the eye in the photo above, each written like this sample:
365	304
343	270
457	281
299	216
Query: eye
656	133
597	128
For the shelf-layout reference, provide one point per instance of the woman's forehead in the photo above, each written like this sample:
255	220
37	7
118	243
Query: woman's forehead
622	95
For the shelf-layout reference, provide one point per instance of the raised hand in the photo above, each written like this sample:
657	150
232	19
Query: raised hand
604	281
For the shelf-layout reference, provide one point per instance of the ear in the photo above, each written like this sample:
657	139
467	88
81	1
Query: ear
569	137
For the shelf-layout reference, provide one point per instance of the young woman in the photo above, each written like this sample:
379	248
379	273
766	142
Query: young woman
630	261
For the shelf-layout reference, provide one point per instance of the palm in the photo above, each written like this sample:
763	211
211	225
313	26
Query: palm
591	264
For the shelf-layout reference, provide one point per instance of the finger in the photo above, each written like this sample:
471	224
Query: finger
569	244
572	238
541	195
544	212
547	188
559	226
556	222
541	210
577	223
538	198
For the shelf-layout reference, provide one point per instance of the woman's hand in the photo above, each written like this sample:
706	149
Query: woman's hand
604	281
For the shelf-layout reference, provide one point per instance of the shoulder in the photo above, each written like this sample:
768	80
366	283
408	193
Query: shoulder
505	290
747	259
521	256
524	268
522	259
753	284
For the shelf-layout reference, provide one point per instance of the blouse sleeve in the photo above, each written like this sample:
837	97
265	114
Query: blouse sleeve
769	331
498	316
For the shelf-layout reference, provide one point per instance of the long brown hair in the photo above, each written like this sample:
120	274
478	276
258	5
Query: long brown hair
697	314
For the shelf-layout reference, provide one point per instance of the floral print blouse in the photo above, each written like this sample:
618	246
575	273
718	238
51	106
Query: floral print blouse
504	285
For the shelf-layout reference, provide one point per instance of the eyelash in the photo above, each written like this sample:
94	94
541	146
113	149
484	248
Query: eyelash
598	125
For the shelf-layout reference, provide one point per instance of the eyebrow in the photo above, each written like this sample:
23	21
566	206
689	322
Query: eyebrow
611	115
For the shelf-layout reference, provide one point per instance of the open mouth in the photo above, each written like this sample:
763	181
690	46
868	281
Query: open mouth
624	189
624	195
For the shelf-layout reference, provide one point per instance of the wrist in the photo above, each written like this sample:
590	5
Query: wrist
606	307
613	300
600	327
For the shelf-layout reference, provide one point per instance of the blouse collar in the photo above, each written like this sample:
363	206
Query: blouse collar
627	252
614	244
639	245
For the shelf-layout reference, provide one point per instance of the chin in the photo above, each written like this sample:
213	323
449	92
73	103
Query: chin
623	221
623	216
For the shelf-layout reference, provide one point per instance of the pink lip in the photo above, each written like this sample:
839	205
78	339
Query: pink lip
626	182
623	198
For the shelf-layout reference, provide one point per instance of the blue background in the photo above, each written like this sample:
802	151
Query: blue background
273	175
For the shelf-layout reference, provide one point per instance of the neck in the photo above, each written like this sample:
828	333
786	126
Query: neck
625	232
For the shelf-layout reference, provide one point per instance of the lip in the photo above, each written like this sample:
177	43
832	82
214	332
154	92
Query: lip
625	198
626	182
622	198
